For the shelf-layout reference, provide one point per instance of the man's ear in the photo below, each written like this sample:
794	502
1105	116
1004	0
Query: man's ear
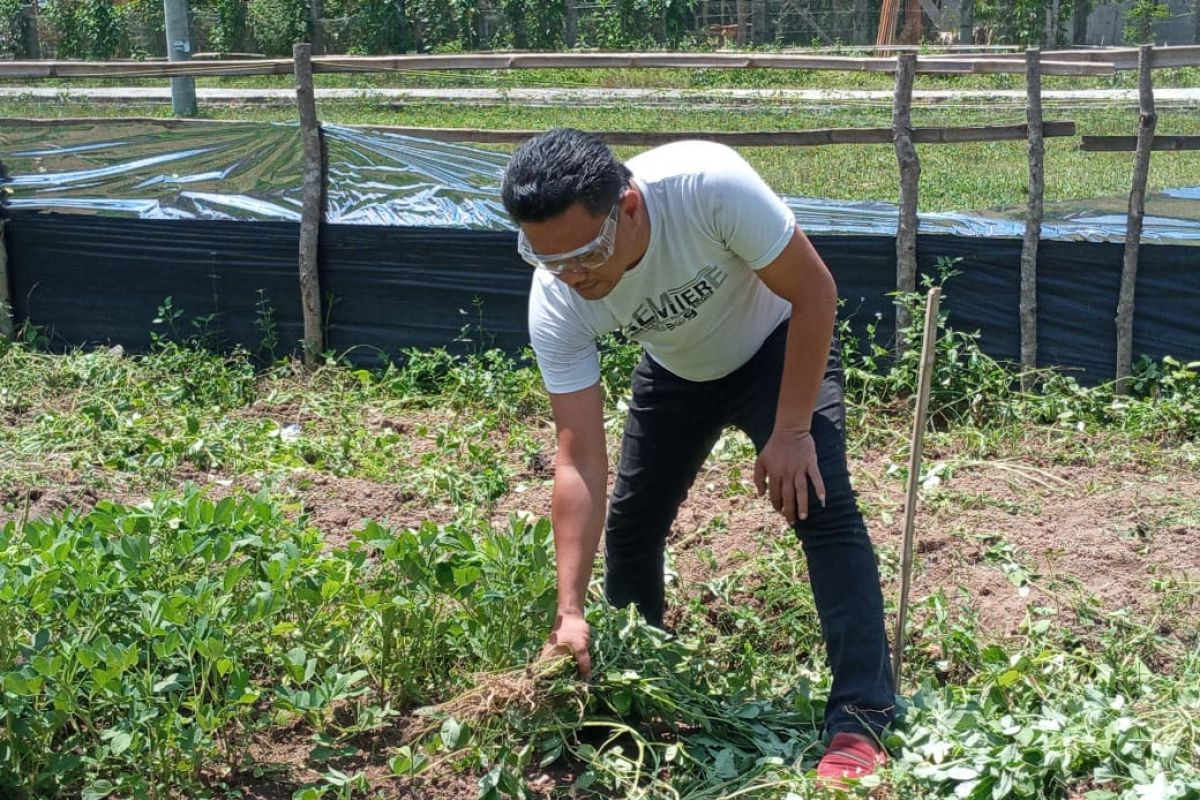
631	201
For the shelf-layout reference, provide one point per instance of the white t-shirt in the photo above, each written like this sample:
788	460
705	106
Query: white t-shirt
693	301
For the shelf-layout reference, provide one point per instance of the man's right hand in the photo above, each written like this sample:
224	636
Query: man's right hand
572	635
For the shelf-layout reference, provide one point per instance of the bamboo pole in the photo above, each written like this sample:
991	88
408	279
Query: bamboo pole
312	205
910	177
7	322
1147	120
1033	219
916	446
888	16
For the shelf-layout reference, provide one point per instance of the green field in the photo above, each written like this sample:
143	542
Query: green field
223	576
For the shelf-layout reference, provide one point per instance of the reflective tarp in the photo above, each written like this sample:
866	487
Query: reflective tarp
107	221
251	171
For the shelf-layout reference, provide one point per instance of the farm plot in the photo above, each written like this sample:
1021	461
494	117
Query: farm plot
227	580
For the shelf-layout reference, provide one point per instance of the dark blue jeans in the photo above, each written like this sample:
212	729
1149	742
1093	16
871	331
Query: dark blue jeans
672	426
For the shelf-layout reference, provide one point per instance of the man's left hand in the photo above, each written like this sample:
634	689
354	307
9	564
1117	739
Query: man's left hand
784	468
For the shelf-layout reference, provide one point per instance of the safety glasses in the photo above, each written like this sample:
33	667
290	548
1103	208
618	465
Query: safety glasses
582	259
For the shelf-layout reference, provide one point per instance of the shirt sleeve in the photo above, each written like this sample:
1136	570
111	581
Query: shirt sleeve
746	214
565	347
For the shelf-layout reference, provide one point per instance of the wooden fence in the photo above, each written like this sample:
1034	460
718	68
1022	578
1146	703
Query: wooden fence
906	66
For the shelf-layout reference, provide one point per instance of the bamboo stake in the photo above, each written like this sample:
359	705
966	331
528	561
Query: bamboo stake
910	177
7	323
1033	219
312	205
1147	121
916	446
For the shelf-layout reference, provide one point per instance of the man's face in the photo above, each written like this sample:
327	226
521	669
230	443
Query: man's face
578	228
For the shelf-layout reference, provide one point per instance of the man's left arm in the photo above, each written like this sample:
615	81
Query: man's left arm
789	460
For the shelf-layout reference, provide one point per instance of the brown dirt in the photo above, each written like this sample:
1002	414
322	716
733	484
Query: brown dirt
56	494
1100	533
1076	533
340	506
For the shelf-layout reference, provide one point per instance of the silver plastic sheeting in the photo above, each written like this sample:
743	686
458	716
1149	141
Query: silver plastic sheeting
252	171
248	171
387	179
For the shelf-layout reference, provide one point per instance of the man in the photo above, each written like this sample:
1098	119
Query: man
687	251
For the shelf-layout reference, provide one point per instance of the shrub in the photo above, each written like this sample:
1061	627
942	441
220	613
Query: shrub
278	24
88	29
12	42
379	26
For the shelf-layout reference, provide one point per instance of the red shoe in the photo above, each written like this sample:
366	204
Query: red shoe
850	756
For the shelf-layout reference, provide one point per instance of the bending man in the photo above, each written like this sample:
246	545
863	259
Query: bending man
688	252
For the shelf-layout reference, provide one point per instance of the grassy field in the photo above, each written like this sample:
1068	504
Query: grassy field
954	177
223	577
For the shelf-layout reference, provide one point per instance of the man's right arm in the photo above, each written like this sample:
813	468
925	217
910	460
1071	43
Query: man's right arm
577	512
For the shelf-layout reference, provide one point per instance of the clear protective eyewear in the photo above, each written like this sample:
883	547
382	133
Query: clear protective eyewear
582	259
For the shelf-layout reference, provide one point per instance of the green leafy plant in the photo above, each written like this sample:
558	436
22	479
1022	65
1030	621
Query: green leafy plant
144	26
380	26
278	24
12	39
445	25
630	24
145	643
230	29
88	29
1141	19
1024	21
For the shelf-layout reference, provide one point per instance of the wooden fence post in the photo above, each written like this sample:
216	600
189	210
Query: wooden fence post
312	204
7	323
1147	120
1033	219
910	176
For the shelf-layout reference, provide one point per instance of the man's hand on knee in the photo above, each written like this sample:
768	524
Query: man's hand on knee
571	635
784	469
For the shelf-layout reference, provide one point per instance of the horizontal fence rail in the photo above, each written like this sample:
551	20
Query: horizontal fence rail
506	61
1122	58
1116	144
808	138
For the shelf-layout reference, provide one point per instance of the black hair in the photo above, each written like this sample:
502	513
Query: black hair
552	171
